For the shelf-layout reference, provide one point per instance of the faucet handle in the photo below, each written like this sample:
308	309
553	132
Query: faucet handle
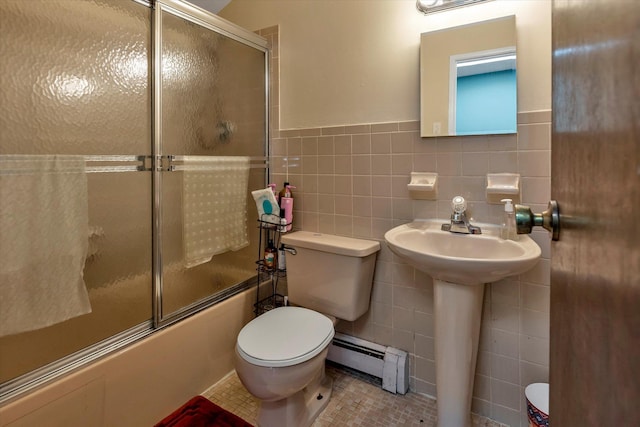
459	204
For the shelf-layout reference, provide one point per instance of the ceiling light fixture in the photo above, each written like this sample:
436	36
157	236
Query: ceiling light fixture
430	6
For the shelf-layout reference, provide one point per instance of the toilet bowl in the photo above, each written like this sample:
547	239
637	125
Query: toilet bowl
280	355
280	360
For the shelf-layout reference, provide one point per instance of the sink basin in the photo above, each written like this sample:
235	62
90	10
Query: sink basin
467	259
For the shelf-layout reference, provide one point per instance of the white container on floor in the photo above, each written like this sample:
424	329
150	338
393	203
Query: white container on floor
537	395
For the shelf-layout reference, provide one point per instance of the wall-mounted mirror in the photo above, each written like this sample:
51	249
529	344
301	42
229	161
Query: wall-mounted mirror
468	82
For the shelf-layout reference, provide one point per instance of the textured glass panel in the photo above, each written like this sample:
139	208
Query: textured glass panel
117	274
74	78
213	104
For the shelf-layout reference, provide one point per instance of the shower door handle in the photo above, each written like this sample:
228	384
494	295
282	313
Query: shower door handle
549	219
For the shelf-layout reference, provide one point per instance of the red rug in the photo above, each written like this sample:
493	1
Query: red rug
201	412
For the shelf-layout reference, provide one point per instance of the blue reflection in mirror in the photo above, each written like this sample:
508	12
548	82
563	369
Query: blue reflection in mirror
486	103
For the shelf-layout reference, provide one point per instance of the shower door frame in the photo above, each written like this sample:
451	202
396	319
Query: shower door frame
32	380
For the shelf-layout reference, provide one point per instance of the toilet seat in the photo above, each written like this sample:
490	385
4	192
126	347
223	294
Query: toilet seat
284	336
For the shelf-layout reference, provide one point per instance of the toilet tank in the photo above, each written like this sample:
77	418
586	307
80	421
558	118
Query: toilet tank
330	274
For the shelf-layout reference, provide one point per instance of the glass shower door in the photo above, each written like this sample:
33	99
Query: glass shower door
212	143
75	85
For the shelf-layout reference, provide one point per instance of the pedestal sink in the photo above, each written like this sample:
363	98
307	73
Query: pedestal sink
460	265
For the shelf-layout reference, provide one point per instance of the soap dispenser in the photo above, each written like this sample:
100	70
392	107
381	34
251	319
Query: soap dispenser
508	231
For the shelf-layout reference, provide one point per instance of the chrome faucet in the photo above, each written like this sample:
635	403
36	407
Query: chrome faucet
459	222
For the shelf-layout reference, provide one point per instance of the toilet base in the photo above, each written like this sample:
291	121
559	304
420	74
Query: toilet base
300	409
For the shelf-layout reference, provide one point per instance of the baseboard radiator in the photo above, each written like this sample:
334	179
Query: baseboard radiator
388	363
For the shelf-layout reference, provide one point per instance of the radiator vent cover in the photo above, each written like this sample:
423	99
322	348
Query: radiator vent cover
387	363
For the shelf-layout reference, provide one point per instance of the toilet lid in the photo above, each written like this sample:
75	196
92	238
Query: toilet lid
284	336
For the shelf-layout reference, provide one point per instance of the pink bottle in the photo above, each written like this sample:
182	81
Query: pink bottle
286	203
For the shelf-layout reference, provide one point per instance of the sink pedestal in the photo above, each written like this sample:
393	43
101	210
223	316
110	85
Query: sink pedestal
458	313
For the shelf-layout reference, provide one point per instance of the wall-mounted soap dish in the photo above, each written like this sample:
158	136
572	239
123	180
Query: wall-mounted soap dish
423	185
503	185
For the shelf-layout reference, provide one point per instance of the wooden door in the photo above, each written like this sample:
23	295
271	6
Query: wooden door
595	268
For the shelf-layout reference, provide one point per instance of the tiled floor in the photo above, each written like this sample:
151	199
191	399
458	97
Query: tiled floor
357	400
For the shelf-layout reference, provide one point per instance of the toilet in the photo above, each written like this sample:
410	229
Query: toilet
280	355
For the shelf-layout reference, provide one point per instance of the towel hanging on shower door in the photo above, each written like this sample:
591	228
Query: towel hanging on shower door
43	241
214	206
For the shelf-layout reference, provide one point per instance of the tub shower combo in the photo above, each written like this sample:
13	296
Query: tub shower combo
132	132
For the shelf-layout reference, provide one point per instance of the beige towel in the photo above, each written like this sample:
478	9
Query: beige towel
214	207
43	241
